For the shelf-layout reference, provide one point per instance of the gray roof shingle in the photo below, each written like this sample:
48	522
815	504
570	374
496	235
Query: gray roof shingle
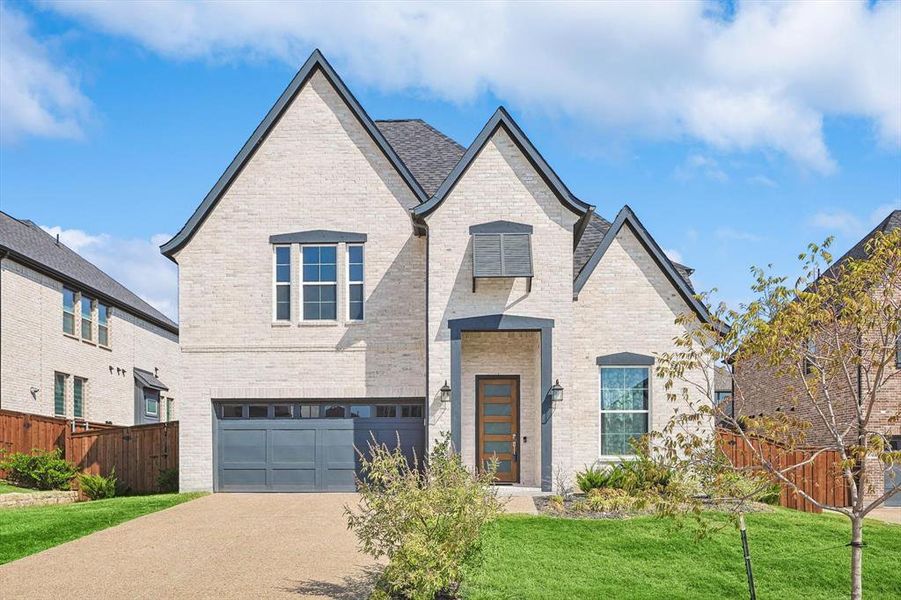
429	154
28	243
859	251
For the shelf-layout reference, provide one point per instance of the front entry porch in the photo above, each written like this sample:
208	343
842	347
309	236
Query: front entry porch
500	396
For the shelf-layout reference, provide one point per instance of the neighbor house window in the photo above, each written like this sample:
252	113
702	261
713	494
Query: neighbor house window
170	409
283	283
78	391
898	349
68	311
320	276
355	282
725	396
624	408
87	318
151	403
103	324
810	353
59	394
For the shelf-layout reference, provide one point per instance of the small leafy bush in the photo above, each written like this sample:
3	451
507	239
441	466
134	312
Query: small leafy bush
592	478
756	487
610	500
557	502
426	520
98	487
39	470
167	481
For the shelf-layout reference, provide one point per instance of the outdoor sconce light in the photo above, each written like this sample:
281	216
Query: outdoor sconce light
445	392
556	392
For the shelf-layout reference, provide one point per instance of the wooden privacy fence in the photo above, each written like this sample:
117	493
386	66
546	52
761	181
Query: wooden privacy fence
821	478
137	453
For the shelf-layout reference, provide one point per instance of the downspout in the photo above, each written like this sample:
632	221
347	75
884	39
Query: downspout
425	411
3	254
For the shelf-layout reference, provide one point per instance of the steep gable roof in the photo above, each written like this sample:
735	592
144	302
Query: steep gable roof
859	250
429	154
501	118
627	218
30	245
316	62
591	238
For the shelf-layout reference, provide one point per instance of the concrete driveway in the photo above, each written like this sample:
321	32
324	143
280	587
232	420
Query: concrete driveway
218	546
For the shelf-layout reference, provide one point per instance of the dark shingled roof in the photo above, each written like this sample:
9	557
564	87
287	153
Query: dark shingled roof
591	238
431	156
27	243
428	154
859	251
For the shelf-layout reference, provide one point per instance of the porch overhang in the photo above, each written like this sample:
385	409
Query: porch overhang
502	322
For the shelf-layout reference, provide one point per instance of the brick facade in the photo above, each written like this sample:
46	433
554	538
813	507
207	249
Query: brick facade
317	168
33	347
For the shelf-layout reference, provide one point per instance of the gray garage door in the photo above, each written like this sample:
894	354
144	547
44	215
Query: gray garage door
893	477
305	447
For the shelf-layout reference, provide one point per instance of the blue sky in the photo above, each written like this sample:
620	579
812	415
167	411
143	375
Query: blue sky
735	135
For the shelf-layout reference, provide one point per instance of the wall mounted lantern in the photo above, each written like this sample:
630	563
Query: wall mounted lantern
556	392
445	392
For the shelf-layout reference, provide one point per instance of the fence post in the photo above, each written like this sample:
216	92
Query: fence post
67	444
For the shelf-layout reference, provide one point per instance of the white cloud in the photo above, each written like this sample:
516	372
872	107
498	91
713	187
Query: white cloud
764	78
848	224
698	164
38	96
882	211
763	180
673	254
728	234
134	262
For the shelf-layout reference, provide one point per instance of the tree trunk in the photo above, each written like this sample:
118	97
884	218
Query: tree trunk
856	557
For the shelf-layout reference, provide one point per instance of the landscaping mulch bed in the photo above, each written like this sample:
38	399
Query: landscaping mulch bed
574	508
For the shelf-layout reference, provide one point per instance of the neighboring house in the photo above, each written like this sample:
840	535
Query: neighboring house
348	277
763	392
74	342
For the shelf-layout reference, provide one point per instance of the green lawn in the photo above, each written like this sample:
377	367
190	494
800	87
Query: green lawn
24	531
795	555
8	488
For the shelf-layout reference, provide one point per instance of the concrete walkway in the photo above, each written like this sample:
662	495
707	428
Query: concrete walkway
219	546
890	514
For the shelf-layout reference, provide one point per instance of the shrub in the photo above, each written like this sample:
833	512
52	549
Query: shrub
167	480
426	521
748	486
610	500
98	487
592	478
556	502
39	470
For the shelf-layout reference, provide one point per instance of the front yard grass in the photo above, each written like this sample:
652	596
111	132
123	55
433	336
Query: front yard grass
8	488
795	555
25	531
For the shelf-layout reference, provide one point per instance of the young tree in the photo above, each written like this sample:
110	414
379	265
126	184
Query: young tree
834	335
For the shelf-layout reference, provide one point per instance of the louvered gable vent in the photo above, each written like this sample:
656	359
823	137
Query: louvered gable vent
501	249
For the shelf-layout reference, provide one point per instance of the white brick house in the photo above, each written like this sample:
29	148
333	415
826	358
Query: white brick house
74	342
348	277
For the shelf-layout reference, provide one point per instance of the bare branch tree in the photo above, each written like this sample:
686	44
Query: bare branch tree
832	341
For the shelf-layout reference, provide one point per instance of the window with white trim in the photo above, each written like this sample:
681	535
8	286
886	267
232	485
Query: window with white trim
355	282
320	283
625	395
87	318
79	386
151	403
282	277
69	301
59	393
103	313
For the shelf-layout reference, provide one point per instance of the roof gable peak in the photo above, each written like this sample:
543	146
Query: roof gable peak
316	62
502	118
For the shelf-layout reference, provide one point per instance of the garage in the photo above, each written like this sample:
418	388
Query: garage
306	446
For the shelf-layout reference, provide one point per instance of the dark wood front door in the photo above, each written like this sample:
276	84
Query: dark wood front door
497	425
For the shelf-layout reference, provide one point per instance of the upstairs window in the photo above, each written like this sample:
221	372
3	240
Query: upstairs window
87	318
501	249
103	324
68	311
282	283
320	287
355	282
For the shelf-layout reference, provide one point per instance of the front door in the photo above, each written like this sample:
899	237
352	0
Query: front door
497	425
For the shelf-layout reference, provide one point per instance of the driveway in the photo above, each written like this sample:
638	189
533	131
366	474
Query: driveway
218	546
